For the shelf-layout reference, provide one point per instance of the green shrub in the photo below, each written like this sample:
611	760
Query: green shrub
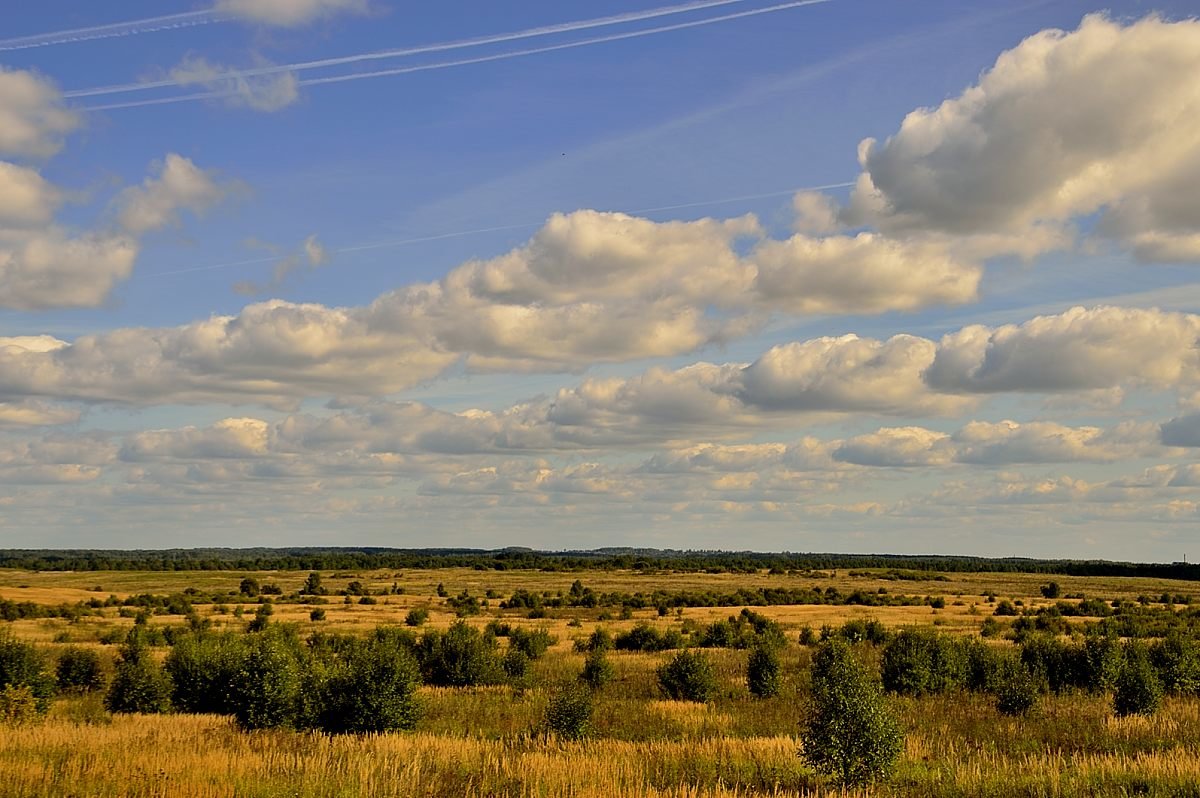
22	665
266	689
461	657
597	670
763	674
1101	659
688	676
261	619
569	712
416	616
515	663
917	662
850	732
370	687
1138	691
204	670
139	684
79	670
1015	687
1177	661
316	615
18	705
532	643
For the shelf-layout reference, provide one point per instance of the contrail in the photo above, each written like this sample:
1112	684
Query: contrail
133	27
463	233
479	41
459	62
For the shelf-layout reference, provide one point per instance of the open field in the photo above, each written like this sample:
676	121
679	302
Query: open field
491	741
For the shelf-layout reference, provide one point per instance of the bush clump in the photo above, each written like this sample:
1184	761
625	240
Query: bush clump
597	670
763	672
688	676
1015	687
918	661
1138	690
569	712
204	671
79	670
23	666
266	688
369	687
850	731
139	683
461	657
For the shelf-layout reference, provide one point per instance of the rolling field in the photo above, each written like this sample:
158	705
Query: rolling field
492	741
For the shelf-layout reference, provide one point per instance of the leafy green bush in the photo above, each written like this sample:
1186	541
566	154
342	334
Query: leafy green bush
416	616
461	657
1015	687
850	732
204	671
919	661
597	670
569	712
18	705
1177	661
645	637
688	676
763	674
266	688
370	687
79	669
22	665
139	683
261	619
515	663
532	643
1138	691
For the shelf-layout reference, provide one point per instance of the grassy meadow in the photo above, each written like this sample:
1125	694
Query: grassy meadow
492	741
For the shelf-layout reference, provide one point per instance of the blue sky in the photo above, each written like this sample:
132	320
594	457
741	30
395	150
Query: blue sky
628	275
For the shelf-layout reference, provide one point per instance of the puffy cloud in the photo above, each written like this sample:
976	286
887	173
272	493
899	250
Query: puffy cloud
231	437
49	269
268	92
288	13
868	272
1079	349
176	185
1048	442
897	446
33	119
846	374
26	198
1103	118
1002	443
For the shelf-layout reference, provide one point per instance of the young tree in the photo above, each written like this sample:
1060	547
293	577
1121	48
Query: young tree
1138	691
763	675
597	670
312	585
79	669
139	684
23	666
369	687
688	676
569	712
850	730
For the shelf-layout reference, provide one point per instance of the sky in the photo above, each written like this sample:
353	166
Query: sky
901	276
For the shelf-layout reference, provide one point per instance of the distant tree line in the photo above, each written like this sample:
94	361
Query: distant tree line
651	560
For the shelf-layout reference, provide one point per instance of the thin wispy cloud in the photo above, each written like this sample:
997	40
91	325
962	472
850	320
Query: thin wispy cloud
441	47
133	27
